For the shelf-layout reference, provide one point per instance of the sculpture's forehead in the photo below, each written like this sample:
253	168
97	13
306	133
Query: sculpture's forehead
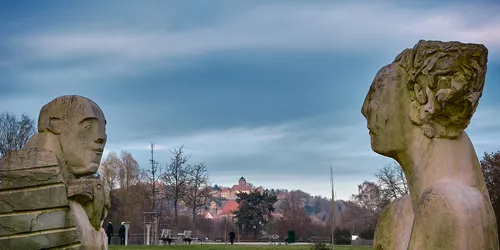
73	108
87	110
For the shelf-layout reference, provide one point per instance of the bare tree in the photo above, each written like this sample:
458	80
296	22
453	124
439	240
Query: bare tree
490	166
354	217
294	214
15	132
109	170
122	174
372	200
176	178
198	189
392	180
129	172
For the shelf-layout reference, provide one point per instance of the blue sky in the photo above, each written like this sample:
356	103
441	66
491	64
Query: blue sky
271	90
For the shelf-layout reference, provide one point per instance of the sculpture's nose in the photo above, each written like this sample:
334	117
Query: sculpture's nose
101	140
365	108
101	135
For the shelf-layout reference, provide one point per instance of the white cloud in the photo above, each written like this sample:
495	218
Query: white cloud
362	27
304	148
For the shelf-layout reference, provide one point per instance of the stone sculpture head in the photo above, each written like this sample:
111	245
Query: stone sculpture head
81	130
434	87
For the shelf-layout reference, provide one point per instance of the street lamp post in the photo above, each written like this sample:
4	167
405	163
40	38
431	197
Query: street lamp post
225	230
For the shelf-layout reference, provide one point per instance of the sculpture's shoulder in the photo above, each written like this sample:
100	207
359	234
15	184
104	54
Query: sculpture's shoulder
458	199
28	158
29	167
461	212
34	209
394	225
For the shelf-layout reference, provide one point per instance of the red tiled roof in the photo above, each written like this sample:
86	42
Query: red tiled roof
229	207
275	214
241	188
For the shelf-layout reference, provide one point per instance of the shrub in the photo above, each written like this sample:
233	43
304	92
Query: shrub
367	234
342	236
320	246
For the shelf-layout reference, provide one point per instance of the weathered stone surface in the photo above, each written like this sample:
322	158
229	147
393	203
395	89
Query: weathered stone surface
84	190
29	178
89	236
43	201
417	109
36	221
28	159
69	247
33	198
40	240
74	128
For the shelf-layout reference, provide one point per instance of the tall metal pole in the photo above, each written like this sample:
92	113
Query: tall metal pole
333	207
153	172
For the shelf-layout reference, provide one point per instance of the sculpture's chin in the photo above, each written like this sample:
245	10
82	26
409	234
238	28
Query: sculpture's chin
375	145
381	149
377	150
88	169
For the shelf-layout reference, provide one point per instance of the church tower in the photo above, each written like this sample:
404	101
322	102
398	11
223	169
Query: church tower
242	182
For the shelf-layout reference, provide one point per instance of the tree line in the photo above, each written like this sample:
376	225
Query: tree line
181	186
161	189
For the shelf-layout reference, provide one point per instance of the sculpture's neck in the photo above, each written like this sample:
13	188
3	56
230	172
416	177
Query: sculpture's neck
428	162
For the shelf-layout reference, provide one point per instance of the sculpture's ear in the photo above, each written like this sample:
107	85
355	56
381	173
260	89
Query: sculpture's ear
54	125
428	110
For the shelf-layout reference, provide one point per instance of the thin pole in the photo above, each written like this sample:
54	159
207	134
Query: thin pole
153	172
333	207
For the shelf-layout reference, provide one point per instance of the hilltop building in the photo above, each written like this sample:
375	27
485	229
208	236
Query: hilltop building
230	193
227	207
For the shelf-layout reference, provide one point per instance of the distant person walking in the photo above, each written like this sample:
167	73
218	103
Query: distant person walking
231	236
121	233
109	231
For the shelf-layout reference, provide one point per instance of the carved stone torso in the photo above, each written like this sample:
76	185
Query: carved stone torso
39	210
417	110
93	196
395	225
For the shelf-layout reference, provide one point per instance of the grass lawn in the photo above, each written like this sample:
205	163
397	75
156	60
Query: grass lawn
233	247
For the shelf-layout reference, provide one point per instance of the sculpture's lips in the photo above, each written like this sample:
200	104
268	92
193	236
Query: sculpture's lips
370	131
99	151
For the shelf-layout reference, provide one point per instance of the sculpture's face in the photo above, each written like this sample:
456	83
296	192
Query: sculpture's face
82	141
386	111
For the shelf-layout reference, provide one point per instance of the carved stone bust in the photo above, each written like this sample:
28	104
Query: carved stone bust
45	202
417	109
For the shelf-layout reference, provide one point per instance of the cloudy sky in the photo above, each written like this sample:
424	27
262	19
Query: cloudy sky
271	90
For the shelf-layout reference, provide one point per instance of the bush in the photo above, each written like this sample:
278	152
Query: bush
291	236
320	246
367	234
342	236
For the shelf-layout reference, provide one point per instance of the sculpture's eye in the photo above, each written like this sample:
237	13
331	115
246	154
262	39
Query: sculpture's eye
88	126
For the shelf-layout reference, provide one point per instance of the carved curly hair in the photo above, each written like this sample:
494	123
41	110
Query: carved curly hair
445	80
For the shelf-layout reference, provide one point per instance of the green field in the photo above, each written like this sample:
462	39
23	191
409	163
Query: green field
233	247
